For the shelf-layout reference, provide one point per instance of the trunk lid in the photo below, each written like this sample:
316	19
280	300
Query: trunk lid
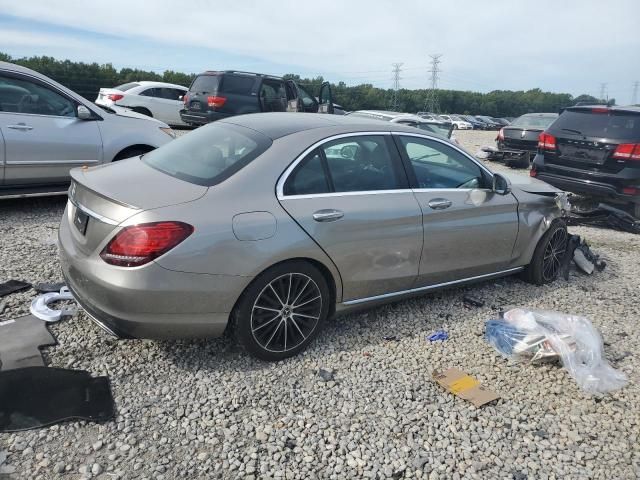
521	138
103	197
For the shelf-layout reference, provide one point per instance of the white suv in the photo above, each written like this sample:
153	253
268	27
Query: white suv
153	99
457	122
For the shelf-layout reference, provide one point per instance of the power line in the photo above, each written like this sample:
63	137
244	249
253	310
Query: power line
431	101
603	88
396	85
634	96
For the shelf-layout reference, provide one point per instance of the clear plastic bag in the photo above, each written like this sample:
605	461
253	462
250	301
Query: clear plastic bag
537	335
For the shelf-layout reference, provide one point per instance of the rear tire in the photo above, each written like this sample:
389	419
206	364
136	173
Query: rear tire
282	311
547	257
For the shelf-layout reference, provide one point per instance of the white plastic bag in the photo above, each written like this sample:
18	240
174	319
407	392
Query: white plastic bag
539	334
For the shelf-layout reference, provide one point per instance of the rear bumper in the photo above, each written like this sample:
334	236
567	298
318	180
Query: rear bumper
600	185
149	301
202	118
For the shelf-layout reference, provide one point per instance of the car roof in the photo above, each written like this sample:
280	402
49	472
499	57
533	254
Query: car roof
614	108
150	83
279	124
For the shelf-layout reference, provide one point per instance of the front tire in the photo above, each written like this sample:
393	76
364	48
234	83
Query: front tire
282	311
547	258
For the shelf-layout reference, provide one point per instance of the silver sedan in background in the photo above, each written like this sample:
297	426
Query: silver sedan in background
267	224
46	130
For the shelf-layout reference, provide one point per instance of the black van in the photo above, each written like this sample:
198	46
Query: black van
216	95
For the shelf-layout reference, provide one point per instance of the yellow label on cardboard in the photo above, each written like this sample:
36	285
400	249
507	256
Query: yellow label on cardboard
462	384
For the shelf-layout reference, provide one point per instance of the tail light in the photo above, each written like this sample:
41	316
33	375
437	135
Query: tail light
139	244
546	141
501	134
631	191
115	96
600	110
627	151
216	102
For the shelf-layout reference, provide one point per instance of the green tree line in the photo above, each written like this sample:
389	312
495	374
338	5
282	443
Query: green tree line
87	78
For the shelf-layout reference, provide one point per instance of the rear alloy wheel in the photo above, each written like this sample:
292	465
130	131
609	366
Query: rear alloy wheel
547	258
282	311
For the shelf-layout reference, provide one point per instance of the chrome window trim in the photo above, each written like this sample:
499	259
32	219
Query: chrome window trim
91	213
430	287
283	178
285	175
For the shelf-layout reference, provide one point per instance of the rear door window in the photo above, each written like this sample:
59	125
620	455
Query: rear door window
351	164
150	92
237	84
205	84
171	93
617	125
210	154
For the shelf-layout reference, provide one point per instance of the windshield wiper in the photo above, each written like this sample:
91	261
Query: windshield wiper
571	130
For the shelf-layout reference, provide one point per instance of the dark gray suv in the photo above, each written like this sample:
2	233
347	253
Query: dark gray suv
217	95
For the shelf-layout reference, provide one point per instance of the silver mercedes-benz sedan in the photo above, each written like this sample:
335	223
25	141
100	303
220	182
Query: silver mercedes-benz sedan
267	224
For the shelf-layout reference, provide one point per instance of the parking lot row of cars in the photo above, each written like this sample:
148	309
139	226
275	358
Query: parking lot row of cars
46	129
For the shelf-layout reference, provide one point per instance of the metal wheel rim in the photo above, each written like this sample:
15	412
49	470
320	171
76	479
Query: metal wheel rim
553	254
286	312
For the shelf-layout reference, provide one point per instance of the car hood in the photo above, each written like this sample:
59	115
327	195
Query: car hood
530	185
121	112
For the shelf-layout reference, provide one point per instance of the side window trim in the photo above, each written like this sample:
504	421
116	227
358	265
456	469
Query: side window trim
396	158
413	181
37	81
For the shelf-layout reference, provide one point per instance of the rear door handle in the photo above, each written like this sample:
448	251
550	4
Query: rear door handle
328	215
20	126
439	203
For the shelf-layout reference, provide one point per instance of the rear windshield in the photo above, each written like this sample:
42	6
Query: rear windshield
127	86
618	125
210	154
538	121
205	84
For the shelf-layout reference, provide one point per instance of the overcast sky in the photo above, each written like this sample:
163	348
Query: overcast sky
562	46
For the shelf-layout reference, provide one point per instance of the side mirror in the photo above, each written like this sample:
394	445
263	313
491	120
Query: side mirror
84	113
501	184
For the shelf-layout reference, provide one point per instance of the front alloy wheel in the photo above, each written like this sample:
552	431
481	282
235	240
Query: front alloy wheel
553	253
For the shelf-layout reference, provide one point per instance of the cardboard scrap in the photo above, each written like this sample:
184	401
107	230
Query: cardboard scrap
464	386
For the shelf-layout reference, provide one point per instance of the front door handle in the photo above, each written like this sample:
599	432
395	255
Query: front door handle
328	215
20	126
439	203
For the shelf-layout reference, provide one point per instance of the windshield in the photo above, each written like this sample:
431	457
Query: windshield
126	86
205	84
619	125
210	154
534	121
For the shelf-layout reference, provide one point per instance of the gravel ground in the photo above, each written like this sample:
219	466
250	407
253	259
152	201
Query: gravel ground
204	410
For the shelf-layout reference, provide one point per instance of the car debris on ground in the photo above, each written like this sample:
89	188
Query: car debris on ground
40	305
537	335
465	386
440	335
12	286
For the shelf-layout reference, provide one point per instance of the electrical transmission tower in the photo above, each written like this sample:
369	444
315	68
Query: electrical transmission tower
431	102
634	96
396	86
603	89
